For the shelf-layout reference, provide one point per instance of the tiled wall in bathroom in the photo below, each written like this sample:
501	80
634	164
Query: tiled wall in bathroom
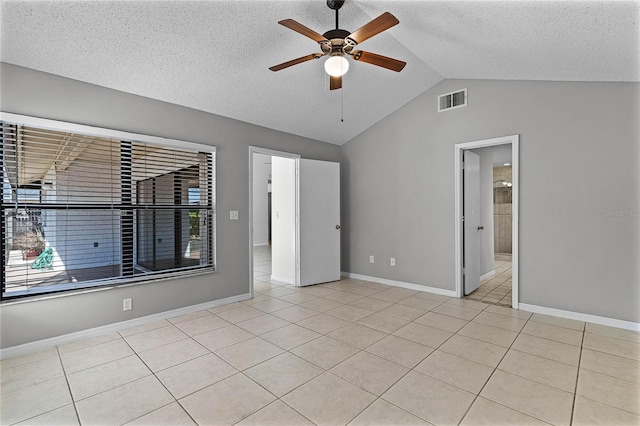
502	210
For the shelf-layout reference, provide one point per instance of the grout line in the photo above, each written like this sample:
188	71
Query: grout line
409	370
364	350
491	375
64	372
434	378
153	373
575	388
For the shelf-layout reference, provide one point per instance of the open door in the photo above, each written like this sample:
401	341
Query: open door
472	227
464	230
319	223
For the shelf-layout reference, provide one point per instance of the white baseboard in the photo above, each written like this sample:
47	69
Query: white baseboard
411	286
97	331
487	275
611	322
282	280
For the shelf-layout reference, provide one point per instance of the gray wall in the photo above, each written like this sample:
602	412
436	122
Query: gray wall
43	95
579	173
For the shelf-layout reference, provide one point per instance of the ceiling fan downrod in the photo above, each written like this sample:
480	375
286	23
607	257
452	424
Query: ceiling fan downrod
335	5
339	45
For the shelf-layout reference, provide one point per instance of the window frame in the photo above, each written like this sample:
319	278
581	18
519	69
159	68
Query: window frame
114	282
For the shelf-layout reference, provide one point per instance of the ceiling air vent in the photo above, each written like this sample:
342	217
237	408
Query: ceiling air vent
452	100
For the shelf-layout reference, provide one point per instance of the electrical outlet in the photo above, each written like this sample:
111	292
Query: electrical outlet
392	261
371	260
126	304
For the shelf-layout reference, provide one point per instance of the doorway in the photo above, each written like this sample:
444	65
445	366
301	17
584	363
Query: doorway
305	219
474	238
273	207
261	217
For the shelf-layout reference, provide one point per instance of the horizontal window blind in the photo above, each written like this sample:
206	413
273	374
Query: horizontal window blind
80	210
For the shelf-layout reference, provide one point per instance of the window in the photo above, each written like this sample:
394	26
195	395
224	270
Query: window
82	210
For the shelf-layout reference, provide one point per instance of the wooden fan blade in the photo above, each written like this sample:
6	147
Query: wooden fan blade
379	60
335	82
298	27
378	25
295	62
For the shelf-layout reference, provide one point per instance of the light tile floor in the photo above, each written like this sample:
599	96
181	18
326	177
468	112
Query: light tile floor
347	352
496	289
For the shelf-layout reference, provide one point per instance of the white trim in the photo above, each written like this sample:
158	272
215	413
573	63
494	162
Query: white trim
101	131
402	284
266	151
261	244
296	271
514	140
487	275
515	222
611	322
272	152
97	331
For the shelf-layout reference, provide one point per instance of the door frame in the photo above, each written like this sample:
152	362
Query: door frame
514	141
296	158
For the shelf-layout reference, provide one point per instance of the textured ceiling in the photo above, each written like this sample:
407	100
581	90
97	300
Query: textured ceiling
214	55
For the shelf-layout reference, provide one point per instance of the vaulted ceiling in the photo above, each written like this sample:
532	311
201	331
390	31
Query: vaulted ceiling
215	55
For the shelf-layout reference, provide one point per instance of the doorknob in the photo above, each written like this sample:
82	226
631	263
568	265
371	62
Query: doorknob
337	226
480	228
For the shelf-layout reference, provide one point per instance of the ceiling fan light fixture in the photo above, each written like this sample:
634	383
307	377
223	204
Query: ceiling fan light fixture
336	66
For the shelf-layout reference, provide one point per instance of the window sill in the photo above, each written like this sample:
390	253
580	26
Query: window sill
101	287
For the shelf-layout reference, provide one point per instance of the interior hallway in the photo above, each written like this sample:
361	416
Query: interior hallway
497	288
262	263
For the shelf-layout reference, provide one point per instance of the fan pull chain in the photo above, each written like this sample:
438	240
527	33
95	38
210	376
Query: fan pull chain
342	105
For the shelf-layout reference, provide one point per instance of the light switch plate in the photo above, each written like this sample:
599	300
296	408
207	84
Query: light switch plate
233	215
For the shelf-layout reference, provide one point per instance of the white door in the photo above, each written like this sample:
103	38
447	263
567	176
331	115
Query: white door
319	203
472	227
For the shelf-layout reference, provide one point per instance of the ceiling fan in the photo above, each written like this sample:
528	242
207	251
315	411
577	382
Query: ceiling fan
338	43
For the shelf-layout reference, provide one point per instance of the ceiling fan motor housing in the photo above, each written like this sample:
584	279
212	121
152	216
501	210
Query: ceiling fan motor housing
340	43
